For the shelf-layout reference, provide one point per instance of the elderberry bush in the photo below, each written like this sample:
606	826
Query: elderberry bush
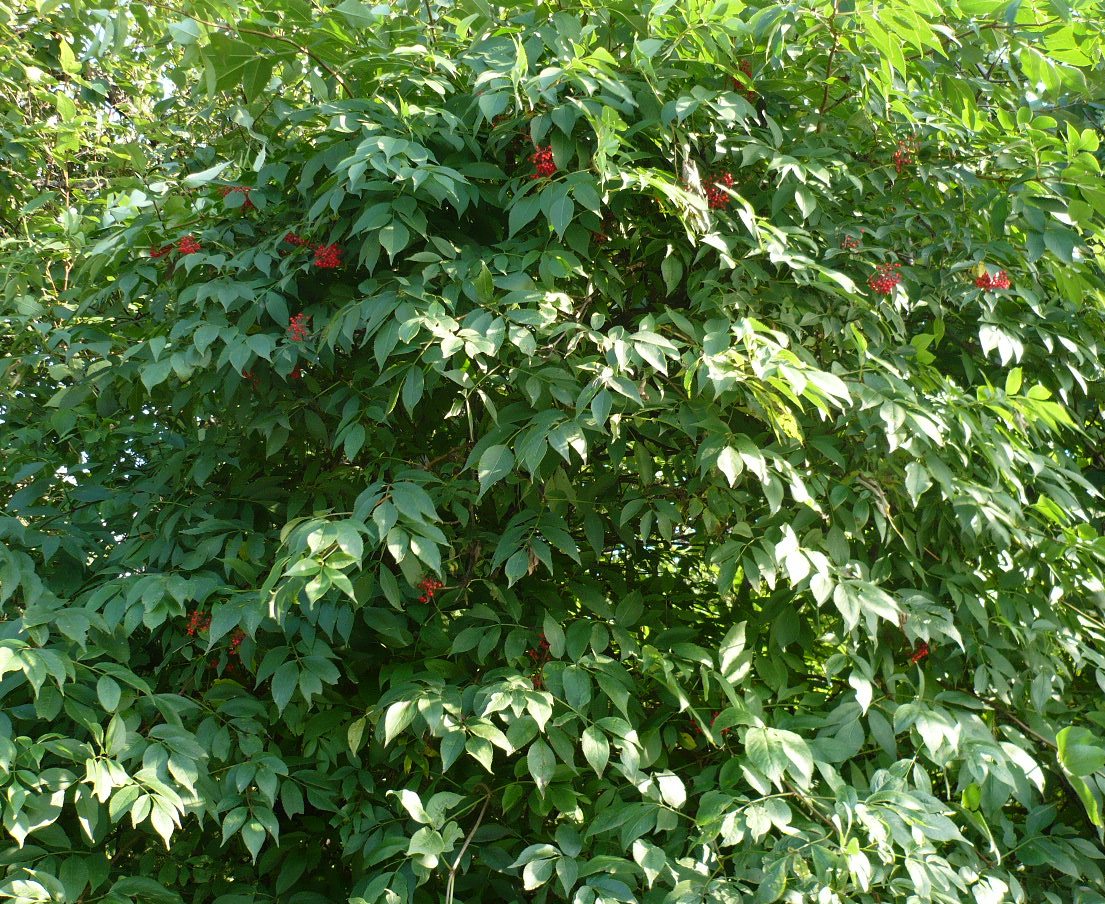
596	453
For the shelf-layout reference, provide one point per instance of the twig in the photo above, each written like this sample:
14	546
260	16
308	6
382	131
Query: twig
464	847
829	65
1039	737
836	103
265	34
807	804
992	26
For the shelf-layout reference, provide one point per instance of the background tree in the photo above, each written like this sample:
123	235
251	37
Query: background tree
590	452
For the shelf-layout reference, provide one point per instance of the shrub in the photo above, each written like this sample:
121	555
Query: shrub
601	453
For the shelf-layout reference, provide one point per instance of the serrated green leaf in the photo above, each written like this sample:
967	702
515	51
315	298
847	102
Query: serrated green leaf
495	464
541	763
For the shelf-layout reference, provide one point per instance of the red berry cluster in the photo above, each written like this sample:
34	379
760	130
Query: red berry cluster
327	257
188	245
999	280
743	85
429	587
540	655
198	621
715	197
252	377
297	373
920	653
905	155
849	243
885	278
697	729
233	665
298	327
542	159
229	189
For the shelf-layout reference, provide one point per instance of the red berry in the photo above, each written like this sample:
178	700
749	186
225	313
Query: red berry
999	280
247	204
197	622
327	257
921	652
160	252
542	159
905	155
298	328
292	239
715	196
743	82
188	245
724	731
885	278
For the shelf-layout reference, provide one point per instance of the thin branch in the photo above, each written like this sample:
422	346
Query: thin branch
991	26
806	802
829	65
241	29
836	103
464	847
1035	734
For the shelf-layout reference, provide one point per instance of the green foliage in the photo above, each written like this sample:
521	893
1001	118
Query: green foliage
757	584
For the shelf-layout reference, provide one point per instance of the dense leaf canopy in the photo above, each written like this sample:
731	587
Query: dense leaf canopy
595	452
